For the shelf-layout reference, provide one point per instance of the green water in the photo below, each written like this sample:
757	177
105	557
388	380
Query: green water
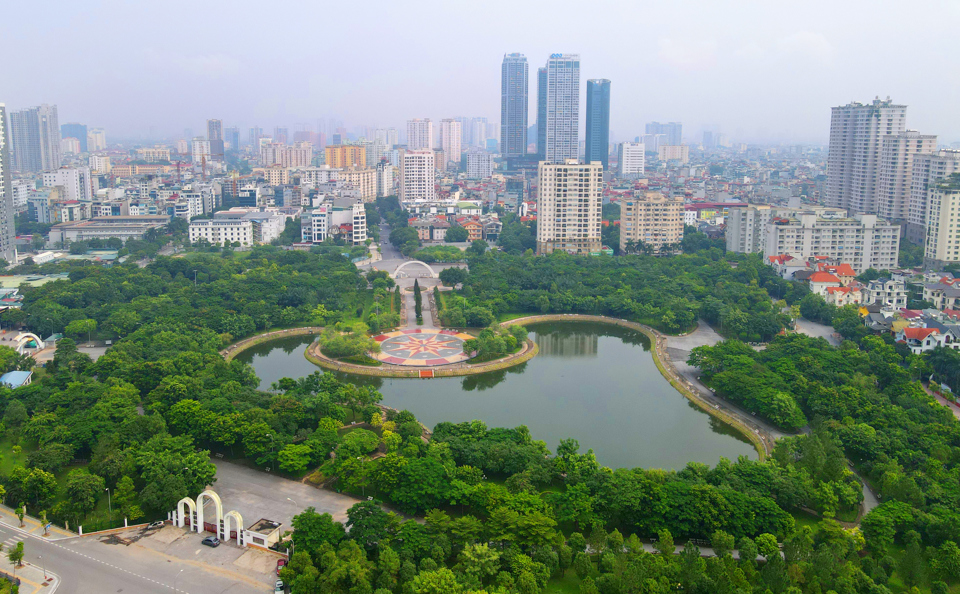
594	382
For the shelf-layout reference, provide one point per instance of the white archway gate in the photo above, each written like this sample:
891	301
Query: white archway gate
208	494
179	516
237	521
433	274
25	338
187	508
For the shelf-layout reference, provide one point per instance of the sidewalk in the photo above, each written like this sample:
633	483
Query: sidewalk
34	579
32	525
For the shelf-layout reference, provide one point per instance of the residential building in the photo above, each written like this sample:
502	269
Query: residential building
345	155
746	229
820	282
562	108
222	231
631	159
419	134
232	137
598	122
215	136
674	152
417	175
942	245
8	249
944	294
275	175
74	130
200	150
362	178
888	293
154	154
69	146
541	113
841	296
921	340
34	139
650	219
75	182
386	179
450	134
672	132
857	133
514	87
478	132
927	170
569	207
21	192
340	217
863	241
896	169
479	164
96	140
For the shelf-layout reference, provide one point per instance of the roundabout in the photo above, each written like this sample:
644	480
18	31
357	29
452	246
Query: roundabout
422	347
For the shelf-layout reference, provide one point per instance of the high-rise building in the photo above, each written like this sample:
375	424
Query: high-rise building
479	164
74	130
200	150
419	134
417	175
478	132
598	122
569	207
450	134
35	139
100	164
863	241
857	133
386	179
345	155
8	250
215	136
514	85
255	134
96	140
281	134
232	136
896	169
631	159
562	134
650	219
943	223
75	182
670	152
927	170
673	131
541	113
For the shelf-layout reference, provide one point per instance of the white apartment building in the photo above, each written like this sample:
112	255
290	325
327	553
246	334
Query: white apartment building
362	178
746	228
569	207
674	152
417	175
275	175
8	248
926	172
200	150
318	175
386	179
153	154
419	134
863	241
479	164
21	191
346	218
96	140
75	182
561	109
450	135
651	218
857	133
942	245
896	169
631	159
222	230
100	164
885	292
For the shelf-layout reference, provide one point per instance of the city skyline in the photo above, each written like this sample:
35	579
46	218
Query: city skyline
705	67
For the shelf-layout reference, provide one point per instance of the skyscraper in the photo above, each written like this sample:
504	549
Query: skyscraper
896	170
569	207
927	170
513	105
232	135
672	131
281	134
256	133
74	130
417	175
450	134
8	250
419	134
598	122
96	140
541	113
35	139
857	132
215	136
562	140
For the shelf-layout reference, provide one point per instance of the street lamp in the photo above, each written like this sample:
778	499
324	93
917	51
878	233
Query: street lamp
175	580
109	503
194	278
44	566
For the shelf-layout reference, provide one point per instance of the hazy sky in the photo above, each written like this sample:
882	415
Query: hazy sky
757	71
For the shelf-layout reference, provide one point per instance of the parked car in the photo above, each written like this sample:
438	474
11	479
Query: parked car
281	563
211	541
155	525
279	586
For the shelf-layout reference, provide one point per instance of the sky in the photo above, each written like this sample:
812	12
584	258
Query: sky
756	71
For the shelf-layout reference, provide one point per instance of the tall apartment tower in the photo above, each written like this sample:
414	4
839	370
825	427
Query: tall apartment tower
651	219
8	234
35	139
631	159
857	133
232	135
672	132
419	134
569	207
417	175
927	170
541	113
514	86
896	167
943	223
74	130
562	108
598	122
450	135
96	140
215	136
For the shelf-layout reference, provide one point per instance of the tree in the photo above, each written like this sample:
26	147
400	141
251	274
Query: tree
946	561
83	491
477	248
80	327
480	563
767	545
294	458
369	524
456	234
664	544
15	555
722	543
440	581
582	565
453	276
911	564
311	530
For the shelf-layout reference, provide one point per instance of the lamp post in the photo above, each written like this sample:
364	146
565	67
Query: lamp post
109	503
175	580
194	278
44	566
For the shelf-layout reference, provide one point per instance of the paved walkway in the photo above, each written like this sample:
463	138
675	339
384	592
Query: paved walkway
817	330
32	578
31	525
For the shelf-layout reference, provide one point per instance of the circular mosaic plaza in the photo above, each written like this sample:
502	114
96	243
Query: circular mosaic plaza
422	347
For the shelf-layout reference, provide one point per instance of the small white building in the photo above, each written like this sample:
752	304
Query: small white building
885	292
222	230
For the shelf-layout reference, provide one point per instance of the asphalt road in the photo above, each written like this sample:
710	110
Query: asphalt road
87	566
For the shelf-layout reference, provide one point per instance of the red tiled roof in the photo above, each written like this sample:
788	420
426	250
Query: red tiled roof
919	333
823	277
839	289
839	269
781	259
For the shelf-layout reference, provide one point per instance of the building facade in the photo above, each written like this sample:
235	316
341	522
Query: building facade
562	108
479	164
215	136
631	159
674	152
598	122
222	231
75	182
863	241
896	169
345	155
569	207
419	134
363	179
942	245
857	133
417	175
96	140
35	139
927	170
650	219
450	136
672	132
74	130
514	85
8	250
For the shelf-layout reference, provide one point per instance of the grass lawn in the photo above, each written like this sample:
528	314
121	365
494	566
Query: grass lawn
568	583
8	459
805	519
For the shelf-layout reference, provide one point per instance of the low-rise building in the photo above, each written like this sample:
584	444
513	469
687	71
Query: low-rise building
122	227
222	231
887	293
344	217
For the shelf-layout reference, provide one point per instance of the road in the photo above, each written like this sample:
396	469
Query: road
87	566
816	330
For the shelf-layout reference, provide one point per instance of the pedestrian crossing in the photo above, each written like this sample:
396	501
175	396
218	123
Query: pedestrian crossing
11	543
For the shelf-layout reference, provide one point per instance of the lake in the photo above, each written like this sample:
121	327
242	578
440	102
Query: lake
593	382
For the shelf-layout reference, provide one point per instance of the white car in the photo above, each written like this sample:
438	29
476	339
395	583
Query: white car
279	586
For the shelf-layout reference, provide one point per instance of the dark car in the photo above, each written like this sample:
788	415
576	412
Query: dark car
211	541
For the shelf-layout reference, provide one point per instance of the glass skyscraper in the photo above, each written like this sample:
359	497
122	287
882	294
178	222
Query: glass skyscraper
598	122
514	86
562	114
541	113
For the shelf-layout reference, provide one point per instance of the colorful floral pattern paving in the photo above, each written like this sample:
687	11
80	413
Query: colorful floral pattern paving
422	347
